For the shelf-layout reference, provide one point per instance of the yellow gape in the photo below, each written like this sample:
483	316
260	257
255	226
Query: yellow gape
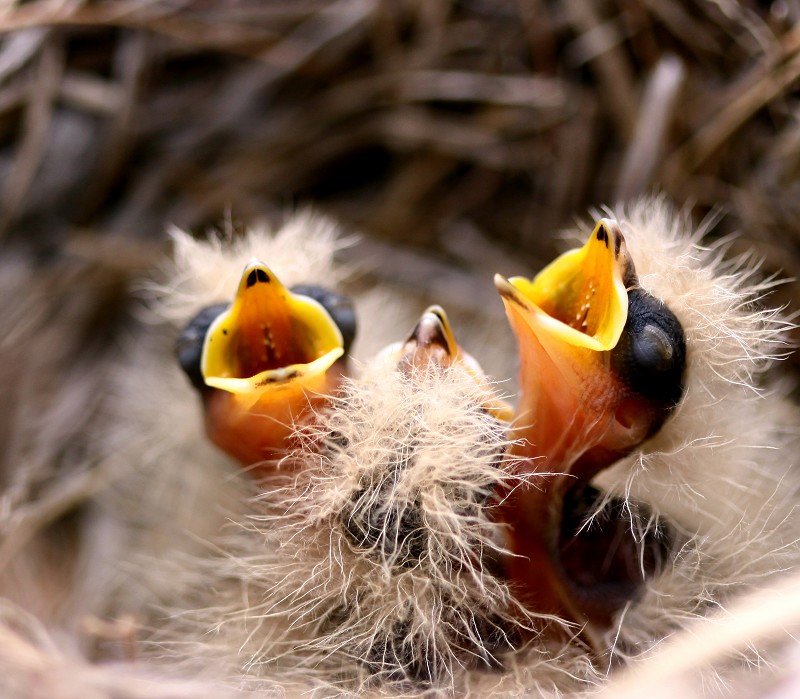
267	336
581	297
567	321
270	358
600	368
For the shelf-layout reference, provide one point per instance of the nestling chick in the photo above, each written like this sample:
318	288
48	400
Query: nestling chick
602	367
651	403
171	490
418	545
372	555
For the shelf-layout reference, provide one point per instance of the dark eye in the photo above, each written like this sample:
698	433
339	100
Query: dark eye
652	349
651	355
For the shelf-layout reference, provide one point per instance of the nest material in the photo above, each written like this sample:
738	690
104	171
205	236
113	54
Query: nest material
412	120
456	136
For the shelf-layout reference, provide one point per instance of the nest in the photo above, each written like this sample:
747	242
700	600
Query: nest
457	138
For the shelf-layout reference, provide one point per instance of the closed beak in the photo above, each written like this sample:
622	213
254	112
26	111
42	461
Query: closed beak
432	344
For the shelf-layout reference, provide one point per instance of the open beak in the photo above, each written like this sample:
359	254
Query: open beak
573	411
580	410
432	344
268	358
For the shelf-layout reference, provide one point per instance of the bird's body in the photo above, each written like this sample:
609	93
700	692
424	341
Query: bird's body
378	564
722	471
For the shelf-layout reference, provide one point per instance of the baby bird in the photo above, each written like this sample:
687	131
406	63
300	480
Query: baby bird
372	557
663	476
602	367
266	362
397	530
172	489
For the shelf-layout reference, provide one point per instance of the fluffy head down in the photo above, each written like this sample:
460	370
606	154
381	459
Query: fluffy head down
723	437
378	555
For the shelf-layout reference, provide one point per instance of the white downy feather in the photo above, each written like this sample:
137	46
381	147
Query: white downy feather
288	592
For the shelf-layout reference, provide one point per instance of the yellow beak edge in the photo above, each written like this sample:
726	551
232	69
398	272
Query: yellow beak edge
267	337
580	297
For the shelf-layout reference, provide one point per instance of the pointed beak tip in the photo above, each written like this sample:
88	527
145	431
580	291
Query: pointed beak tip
608	222
510	295
268	336
432	329
438	313
252	265
504	286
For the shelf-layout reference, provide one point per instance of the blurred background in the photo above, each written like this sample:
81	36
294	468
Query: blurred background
458	137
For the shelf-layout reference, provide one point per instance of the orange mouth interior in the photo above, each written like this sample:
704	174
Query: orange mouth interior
581	296
268	335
